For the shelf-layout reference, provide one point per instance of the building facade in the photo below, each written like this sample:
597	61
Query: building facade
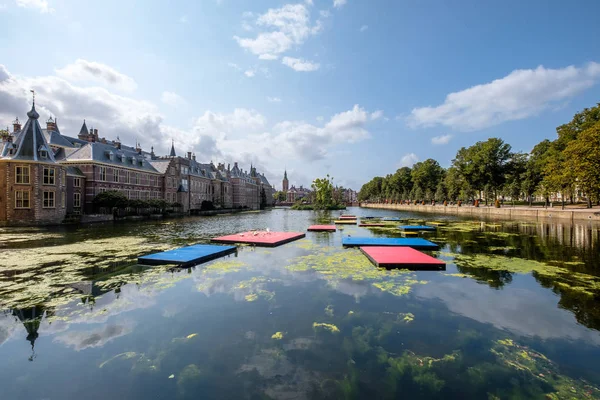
47	175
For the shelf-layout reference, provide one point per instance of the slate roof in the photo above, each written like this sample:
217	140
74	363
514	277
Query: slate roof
74	171
54	138
108	154
30	143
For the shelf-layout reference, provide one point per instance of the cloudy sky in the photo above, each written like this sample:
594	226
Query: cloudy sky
354	88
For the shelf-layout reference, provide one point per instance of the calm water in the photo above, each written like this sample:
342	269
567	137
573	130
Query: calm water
515	315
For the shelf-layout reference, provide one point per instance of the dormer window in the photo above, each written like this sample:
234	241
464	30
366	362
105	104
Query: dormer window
43	151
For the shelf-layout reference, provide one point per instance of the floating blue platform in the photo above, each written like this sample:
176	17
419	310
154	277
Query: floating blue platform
195	254
392	219
417	228
415	243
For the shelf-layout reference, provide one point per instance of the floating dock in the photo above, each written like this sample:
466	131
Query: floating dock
415	243
373	224
345	221
348	216
322	228
417	228
402	257
189	255
391	219
261	238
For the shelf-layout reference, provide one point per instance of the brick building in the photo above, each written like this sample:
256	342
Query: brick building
49	175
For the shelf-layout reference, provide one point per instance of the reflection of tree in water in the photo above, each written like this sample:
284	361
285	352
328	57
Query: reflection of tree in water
585	307
493	278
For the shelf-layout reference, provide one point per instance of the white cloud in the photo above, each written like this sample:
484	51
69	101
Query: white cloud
273	99
242	135
282	28
234	66
3	7
250	73
376	115
309	2
519	95
320	118
325	13
172	99
408	160
40	5
183	19
298	64
364	28
443	139
339	3
83	70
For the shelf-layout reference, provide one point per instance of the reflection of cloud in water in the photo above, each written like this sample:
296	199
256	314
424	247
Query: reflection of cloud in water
9	325
520	311
283	380
80	340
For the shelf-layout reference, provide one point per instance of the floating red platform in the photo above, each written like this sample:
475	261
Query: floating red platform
401	257
322	228
347	216
367	225
261	238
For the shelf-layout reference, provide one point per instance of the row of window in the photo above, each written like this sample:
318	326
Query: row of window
23	175
126	177
23	199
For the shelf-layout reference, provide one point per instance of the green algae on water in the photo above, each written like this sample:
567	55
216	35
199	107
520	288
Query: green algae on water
322	326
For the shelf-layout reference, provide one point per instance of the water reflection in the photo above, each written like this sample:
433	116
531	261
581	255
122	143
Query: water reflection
307	320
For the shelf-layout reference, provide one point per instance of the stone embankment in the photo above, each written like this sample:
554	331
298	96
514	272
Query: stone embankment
504	212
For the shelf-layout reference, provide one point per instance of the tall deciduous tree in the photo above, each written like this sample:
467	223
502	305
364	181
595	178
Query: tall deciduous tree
426	175
582	158
484	164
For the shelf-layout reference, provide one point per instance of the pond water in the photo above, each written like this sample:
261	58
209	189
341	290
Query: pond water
515	314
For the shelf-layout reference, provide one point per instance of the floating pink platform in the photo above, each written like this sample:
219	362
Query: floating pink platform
367	225
261	238
401	257
322	228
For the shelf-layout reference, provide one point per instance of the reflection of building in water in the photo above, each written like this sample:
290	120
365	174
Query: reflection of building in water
31	318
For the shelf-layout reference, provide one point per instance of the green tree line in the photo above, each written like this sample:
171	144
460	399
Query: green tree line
568	165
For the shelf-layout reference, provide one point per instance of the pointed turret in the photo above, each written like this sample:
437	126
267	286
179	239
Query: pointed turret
83	132
31	144
172	154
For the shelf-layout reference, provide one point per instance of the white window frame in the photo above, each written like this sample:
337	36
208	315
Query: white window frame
21	174
49	199
77	200
49	178
22	199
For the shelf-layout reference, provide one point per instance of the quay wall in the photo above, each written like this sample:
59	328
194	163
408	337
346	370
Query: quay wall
492	212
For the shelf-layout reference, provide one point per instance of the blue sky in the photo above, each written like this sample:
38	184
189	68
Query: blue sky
353	88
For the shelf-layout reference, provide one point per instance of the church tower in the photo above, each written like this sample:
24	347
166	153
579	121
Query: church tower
285	184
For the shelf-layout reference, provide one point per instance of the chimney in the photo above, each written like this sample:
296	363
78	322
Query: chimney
234	164
138	148
117	143
189	155
194	157
50	124
16	125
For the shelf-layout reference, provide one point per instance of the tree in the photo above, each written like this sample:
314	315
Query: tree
323	188
263	198
515	170
484	164
279	196
426	175
534	169
455	183
582	158
110	199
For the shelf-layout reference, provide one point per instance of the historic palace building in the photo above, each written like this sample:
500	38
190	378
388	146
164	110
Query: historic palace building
45	175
